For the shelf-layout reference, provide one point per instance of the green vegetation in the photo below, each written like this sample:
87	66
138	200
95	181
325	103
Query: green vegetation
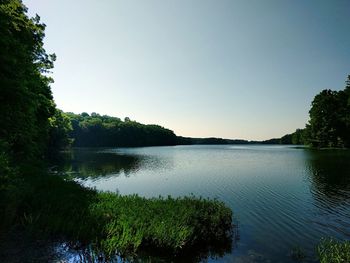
297	138
112	223
26	98
329	124
104	131
95	130
333	251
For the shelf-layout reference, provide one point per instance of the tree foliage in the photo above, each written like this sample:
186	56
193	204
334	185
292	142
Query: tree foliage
105	131
329	124
60	127
26	101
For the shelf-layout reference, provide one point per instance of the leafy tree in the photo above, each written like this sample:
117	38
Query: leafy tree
346	112
286	139
324	119
329	124
60	127
105	131
298	137
26	101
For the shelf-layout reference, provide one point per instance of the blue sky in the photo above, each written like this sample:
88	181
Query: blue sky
235	69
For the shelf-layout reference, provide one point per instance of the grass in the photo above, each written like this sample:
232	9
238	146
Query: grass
333	251
111	223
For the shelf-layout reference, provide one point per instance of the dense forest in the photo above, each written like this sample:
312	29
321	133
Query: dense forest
25	101
329	124
96	130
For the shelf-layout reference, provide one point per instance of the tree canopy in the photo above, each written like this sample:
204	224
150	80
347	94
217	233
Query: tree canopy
329	124
26	101
97	130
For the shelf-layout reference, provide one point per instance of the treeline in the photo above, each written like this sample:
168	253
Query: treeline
207	141
97	130
297	138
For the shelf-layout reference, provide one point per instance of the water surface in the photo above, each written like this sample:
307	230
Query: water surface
282	197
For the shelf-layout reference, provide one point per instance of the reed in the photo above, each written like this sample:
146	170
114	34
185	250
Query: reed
116	224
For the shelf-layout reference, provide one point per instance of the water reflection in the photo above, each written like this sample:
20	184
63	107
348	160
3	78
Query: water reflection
84	163
72	254
330	175
330	188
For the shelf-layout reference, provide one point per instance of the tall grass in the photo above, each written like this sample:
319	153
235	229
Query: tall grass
114	224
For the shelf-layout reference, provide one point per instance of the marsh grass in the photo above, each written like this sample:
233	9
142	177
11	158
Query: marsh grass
113	224
333	251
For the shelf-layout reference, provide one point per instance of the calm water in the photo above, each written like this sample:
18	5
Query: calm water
281	196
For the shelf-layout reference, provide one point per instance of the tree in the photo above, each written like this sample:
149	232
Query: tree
346	112
298	137
60	127
329	124
106	131
26	101
324	119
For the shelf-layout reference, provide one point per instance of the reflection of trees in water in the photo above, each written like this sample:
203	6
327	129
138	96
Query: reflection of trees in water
83	163
330	175
72	252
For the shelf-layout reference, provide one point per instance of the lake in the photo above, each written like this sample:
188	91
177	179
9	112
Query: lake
282	197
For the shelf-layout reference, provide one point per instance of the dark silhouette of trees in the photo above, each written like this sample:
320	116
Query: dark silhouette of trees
299	137
26	101
329	119
105	131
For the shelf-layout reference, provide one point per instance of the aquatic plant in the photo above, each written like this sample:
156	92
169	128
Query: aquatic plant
333	251
117	224
297	254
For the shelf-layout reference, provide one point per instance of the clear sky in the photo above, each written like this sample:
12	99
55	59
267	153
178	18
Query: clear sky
235	69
